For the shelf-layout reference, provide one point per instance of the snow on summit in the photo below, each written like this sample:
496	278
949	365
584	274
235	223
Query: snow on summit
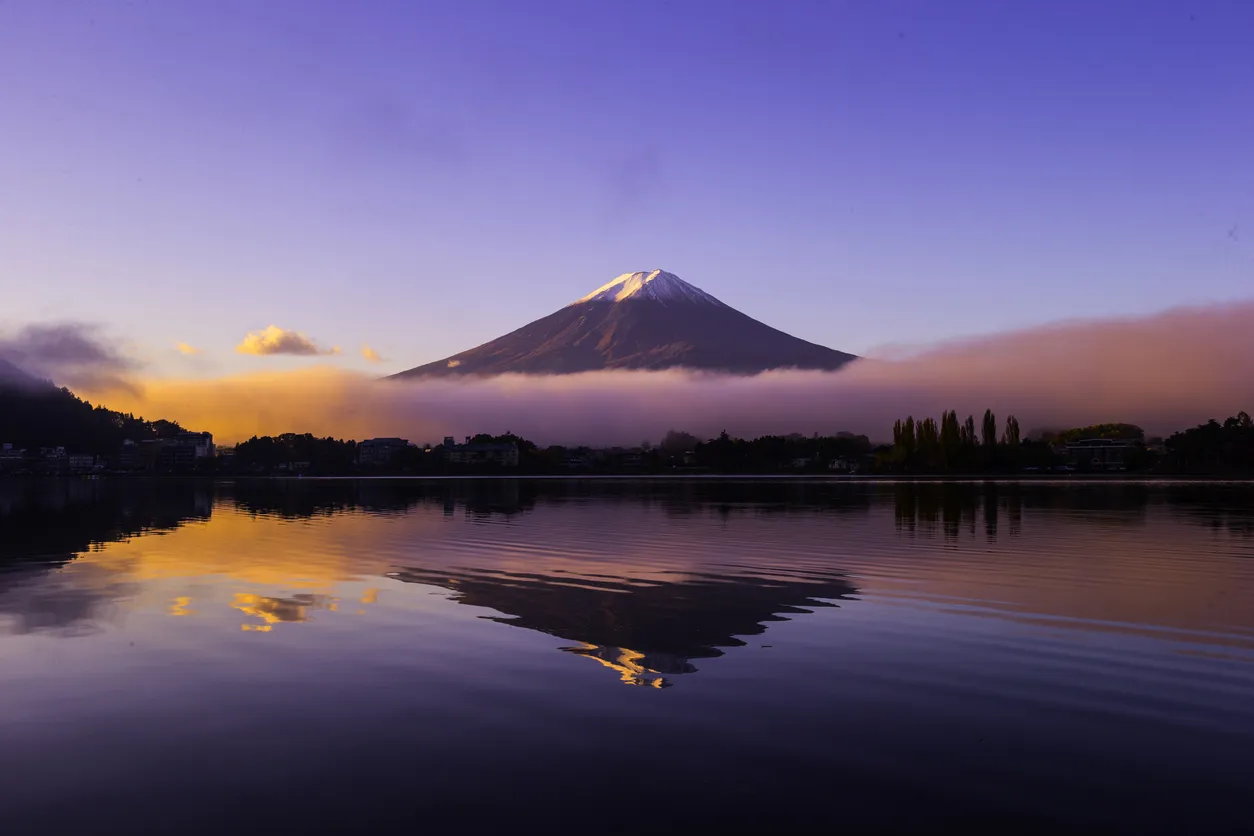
658	286
648	320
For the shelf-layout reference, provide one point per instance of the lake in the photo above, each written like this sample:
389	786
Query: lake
625	656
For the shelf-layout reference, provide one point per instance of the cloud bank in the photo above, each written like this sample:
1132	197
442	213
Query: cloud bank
1163	372
72	354
275	340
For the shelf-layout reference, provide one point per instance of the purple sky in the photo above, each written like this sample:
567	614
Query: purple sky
425	176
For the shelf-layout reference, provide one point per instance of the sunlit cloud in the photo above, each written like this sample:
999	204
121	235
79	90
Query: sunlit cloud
189	350
275	340
371	355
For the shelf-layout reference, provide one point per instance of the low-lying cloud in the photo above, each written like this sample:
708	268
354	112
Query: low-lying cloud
276	340
72	354
1164	372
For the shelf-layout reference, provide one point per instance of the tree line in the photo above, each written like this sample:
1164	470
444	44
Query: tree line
677	451
43	415
1214	448
46	416
926	446
950	446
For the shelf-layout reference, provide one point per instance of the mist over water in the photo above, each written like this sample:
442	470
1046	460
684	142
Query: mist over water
1164	372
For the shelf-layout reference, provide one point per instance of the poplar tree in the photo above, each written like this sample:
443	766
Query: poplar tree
1011	437
990	430
928	443
950	439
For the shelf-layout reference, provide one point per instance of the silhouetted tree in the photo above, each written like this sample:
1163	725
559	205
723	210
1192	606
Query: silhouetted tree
989	431
950	440
970	442
929	453
903	453
679	442
899	455
1011	437
1226	448
34	416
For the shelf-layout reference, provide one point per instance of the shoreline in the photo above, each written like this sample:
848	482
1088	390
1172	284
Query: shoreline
878	478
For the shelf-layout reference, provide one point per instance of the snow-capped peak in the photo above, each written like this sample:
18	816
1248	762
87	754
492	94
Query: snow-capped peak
657	285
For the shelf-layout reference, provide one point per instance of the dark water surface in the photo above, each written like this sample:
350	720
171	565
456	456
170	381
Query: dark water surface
467	656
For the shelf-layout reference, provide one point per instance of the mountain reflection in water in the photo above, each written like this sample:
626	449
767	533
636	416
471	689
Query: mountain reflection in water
645	613
647	630
1057	657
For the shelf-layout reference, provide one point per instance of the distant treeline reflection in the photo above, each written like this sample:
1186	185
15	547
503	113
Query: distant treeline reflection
57	518
54	519
995	508
493	497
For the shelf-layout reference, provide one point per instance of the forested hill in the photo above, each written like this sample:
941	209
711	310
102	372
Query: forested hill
37	414
12	375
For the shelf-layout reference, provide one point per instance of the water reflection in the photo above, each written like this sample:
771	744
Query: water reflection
645	631
950	509
646	626
646	578
52	520
485	499
270	611
46	524
1078	657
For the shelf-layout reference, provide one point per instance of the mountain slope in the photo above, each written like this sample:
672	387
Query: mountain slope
639	321
11	376
35	413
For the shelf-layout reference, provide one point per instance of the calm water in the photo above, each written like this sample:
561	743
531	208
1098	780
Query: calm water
624	656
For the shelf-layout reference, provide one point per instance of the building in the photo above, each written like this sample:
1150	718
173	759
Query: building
11	458
167	455
629	459
53	460
82	463
502	454
379	451
1101	453
183	452
202	444
577	459
129	457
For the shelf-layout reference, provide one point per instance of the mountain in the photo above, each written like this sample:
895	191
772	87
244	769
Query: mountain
35	413
11	375
652	320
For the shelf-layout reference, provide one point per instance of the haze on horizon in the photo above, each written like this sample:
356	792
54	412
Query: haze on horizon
1165	372
299	198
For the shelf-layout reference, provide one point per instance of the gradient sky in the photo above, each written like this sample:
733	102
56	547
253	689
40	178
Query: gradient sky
425	176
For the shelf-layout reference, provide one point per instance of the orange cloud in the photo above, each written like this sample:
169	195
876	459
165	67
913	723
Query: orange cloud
371	355
275	340
189	350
